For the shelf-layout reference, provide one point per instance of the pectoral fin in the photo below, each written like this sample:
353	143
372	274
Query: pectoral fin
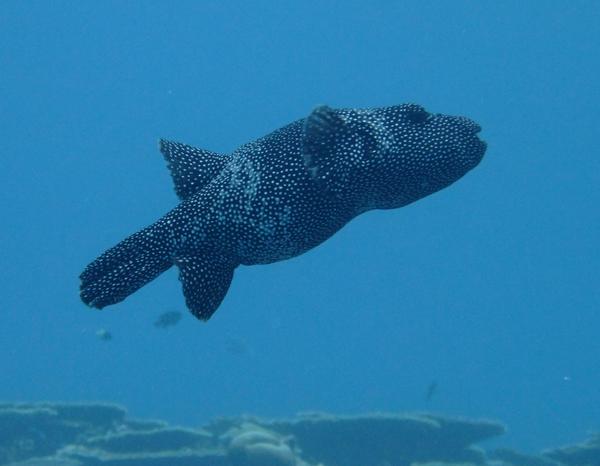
321	130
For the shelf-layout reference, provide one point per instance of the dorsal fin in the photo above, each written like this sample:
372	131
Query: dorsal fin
191	168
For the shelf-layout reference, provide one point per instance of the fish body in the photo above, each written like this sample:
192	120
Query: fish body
283	194
263	206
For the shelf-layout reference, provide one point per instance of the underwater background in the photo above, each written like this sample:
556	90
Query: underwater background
480	301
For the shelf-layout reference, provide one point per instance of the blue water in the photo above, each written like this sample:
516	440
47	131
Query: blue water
489	288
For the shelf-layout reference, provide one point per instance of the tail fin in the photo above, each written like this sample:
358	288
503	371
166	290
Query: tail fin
126	267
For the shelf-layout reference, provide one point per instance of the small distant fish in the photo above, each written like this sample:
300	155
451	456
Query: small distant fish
104	334
168	319
431	390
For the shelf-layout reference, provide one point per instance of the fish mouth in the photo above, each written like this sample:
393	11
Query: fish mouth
477	148
482	146
477	145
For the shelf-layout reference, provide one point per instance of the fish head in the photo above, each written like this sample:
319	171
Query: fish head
388	157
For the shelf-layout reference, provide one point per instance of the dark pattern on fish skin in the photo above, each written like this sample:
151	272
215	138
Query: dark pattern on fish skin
281	195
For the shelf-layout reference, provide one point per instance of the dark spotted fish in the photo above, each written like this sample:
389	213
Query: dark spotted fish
283	194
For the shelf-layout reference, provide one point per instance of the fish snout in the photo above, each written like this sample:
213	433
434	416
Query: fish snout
475	147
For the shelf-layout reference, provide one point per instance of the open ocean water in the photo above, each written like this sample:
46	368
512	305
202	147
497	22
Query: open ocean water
481	301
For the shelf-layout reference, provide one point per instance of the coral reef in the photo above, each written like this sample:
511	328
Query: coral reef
28	430
58	434
378	438
251	444
510	457
582	454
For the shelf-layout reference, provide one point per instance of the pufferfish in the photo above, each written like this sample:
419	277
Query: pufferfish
283	194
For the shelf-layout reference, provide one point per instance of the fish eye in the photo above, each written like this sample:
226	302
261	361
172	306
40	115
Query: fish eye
417	114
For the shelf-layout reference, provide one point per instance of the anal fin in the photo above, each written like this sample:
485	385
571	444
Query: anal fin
205	281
